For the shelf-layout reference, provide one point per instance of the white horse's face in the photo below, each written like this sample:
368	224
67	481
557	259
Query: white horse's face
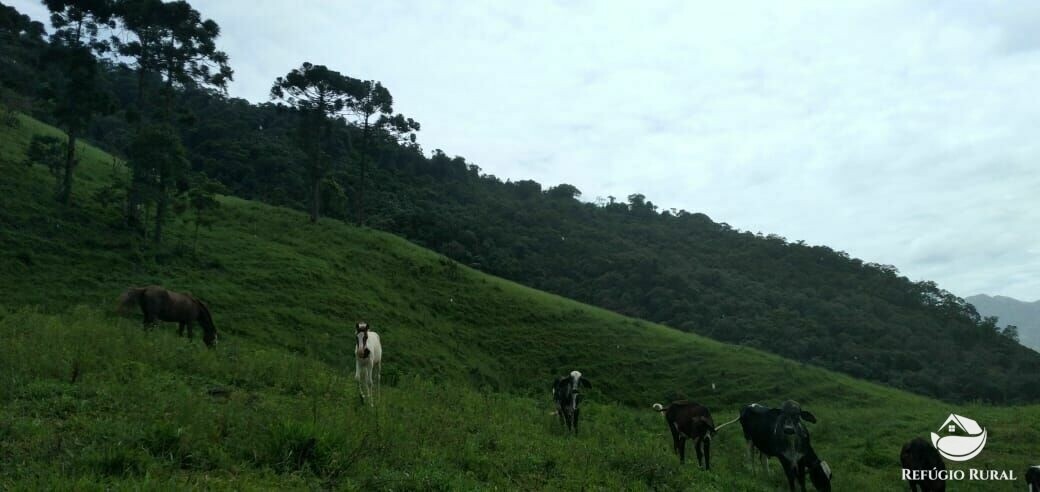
362	344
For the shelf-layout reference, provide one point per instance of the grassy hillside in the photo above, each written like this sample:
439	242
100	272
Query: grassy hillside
803	302
87	397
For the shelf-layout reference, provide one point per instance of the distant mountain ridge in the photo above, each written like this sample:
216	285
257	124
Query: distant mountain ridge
1011	311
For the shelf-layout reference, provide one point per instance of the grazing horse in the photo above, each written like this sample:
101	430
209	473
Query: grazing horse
369	354
158	304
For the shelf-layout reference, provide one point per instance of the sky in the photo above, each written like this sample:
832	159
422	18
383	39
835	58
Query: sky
904	133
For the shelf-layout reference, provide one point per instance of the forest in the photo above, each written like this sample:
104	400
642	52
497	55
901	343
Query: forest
146	81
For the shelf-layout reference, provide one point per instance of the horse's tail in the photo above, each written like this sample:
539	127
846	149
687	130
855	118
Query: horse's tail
130	297
209	330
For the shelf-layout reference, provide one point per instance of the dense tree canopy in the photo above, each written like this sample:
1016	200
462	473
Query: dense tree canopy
319	96
21	45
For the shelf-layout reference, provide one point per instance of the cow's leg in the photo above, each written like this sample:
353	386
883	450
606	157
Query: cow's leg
698	445
913	487
765	461
559	413
789	471
191	330
801	477
682	450
707	452
751	457
675	441
180	329
575	420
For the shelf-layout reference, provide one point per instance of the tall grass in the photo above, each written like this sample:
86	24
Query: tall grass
147	407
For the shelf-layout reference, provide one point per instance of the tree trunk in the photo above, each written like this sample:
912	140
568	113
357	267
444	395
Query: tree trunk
70	166
140	96
361	194
168	100
160	210
315	199
195	240
364	167
133	200
144	220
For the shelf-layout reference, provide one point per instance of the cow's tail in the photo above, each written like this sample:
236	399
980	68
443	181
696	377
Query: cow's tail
128	298
657	406
726	423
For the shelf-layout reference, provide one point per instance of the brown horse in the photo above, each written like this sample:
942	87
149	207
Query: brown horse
159	304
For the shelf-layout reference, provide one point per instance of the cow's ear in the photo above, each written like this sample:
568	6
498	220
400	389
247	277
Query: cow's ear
808	416
585	382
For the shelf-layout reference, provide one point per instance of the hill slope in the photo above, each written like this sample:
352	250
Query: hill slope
807	303
91	398
1010	311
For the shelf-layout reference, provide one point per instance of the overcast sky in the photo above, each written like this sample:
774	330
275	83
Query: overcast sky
905	133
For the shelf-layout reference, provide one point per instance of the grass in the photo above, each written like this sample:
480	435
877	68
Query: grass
89	400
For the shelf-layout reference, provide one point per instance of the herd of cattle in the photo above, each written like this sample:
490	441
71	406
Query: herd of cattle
770	432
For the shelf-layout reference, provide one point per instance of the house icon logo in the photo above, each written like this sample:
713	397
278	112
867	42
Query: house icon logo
964	440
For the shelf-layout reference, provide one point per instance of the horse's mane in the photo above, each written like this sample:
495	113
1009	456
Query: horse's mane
206	319
198	301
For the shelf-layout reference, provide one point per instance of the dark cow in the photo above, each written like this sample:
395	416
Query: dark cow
689	420
566	394
918	454
1033	478
780	433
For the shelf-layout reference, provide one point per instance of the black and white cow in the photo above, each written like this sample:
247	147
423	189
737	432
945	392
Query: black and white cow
1033	478
689	420
918	454
566	395
780	433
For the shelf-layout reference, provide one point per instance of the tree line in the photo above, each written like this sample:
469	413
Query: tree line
170	49
333	145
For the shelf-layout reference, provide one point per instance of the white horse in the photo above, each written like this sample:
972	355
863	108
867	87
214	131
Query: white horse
369	359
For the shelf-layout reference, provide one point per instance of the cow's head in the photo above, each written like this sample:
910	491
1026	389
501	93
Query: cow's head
577	381
791	416
566	389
